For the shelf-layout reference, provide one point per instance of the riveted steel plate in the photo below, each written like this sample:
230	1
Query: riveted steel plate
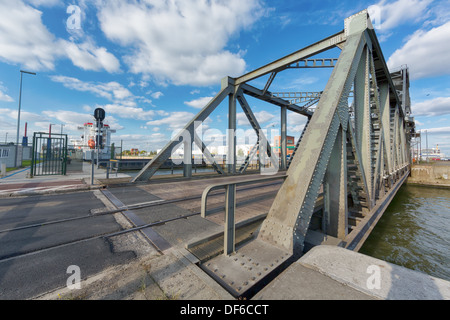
252	264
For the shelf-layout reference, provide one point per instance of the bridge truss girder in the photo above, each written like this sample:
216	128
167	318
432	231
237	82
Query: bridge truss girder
354	150
354	153
231	88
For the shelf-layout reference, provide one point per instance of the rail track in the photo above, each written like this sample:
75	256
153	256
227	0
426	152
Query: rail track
96	213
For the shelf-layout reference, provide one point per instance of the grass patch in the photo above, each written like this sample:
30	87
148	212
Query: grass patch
25	164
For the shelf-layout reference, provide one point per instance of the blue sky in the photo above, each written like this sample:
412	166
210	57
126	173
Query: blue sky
152	64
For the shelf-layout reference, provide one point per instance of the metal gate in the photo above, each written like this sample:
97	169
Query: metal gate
49	156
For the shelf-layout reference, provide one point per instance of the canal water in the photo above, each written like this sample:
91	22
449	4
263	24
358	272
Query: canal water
414	231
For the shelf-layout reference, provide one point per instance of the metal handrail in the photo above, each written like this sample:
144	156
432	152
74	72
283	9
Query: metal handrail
230	207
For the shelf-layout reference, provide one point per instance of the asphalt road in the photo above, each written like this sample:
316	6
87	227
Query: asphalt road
35	260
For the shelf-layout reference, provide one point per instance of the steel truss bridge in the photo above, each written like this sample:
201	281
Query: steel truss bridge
353	154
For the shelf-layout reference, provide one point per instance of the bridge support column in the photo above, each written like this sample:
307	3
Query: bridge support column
231	134
187	158
283	138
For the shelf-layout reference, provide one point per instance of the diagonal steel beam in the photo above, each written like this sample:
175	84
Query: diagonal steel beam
363	121
269	82
254	123
149	170
386	122
205	151
302	54
377	120
249	158
383	69
259	94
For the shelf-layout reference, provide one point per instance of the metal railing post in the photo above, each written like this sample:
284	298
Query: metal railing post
229	236
230	207
33	156
66	144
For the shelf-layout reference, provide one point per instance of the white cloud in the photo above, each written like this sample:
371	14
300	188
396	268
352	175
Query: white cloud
284	21
7	112
439	13
179	41
4	96
129	112
157	95
261	116
388	15
175	120
198	103
112	91
72	120
150	142
113	123
23	37
24	115
25	40
425	52
35	122
442	130
45	3
123	104
89	57
69	116
143	84
295	123
88	108
435	107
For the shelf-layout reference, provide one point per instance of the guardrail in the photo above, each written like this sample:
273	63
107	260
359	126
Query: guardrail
230	207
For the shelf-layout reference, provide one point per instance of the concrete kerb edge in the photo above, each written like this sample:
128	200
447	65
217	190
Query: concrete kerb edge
319	259
52	191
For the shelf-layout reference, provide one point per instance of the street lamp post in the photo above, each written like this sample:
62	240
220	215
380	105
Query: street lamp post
18	113
49	140
50	130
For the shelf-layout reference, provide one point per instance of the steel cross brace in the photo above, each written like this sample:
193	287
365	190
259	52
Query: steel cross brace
149	170
255	125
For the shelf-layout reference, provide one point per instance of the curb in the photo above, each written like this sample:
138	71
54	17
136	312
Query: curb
45	192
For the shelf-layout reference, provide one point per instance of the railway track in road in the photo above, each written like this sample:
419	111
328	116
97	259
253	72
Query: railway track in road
96	213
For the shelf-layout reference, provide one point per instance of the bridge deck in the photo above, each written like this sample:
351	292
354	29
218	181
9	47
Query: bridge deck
203	237
252	202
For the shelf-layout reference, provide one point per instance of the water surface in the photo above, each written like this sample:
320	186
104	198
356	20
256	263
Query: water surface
414	232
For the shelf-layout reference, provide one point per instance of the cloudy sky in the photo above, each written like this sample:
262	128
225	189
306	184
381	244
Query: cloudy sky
153	64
